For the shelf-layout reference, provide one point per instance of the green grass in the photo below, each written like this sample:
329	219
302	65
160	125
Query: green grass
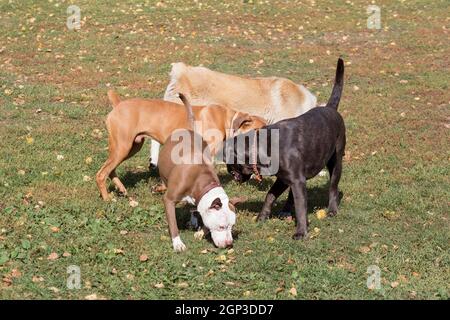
397	156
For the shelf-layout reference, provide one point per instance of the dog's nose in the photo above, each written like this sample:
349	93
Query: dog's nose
229	243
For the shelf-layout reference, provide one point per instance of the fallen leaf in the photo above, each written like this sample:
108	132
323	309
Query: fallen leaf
15	273
52	256
54	289
91	297
321	214
159	285
87	178
182	285
88	160
364	249
293	291
37	279
59	157
7	281
54	229
143	258
66	254
221	258
118	251
394	284
247	293
133	203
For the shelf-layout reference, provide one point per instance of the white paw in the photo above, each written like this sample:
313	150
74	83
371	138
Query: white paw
178	245
199	234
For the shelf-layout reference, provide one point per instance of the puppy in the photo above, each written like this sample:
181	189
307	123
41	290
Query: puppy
186	168
272	98
132	120
307	144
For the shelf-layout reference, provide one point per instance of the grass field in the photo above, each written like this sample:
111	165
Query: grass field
394	212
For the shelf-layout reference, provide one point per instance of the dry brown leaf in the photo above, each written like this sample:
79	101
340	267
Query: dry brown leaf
143	258
52	256
293	291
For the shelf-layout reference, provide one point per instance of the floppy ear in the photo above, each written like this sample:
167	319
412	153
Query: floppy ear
234	201
239	119
216	204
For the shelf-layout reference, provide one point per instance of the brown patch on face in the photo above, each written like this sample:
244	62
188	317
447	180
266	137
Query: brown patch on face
216	204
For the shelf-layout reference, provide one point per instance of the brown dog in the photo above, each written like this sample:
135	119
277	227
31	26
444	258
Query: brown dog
132	120
186	168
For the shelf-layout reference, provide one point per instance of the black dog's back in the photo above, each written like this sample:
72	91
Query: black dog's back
314	136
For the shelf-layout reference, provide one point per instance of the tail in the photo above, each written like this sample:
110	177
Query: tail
333	102
190	115
113	98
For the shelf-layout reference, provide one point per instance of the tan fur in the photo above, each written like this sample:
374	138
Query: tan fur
132	120
272	98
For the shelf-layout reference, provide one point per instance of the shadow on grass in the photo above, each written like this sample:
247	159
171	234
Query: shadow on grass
317	197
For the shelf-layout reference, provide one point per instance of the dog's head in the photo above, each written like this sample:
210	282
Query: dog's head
218	215
243	122
238	161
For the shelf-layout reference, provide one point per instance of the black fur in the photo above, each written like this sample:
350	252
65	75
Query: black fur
308	143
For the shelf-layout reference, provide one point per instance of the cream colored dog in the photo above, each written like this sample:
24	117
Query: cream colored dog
272	98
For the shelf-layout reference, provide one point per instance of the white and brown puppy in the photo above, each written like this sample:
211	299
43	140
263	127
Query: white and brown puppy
186	169
271	98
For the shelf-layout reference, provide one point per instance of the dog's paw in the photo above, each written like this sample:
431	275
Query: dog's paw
178	245
262	217
300	235
159	188
332	212
199	234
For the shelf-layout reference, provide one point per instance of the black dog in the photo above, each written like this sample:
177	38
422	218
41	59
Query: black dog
307	144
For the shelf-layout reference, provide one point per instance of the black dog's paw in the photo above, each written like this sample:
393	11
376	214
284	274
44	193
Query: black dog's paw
332	213
300	235
262	216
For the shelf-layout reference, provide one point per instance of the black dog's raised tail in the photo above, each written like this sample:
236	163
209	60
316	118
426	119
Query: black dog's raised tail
333	102
190	114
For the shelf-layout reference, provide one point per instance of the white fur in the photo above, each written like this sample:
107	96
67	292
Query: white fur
178	245
219	222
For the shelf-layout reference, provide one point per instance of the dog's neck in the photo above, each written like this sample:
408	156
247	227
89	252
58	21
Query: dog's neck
203	188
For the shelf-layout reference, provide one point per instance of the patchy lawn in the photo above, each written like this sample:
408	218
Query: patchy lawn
395	185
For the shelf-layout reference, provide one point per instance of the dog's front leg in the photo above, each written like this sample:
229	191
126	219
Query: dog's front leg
275	191
169	206
299	193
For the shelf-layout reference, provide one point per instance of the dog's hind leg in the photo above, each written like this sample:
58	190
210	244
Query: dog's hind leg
275	191
299	193
116	156
134	149
334	166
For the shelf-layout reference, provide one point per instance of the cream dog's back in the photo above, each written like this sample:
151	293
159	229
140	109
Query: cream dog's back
271	98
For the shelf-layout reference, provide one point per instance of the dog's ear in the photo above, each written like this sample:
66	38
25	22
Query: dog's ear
234	201
216	204
240	119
